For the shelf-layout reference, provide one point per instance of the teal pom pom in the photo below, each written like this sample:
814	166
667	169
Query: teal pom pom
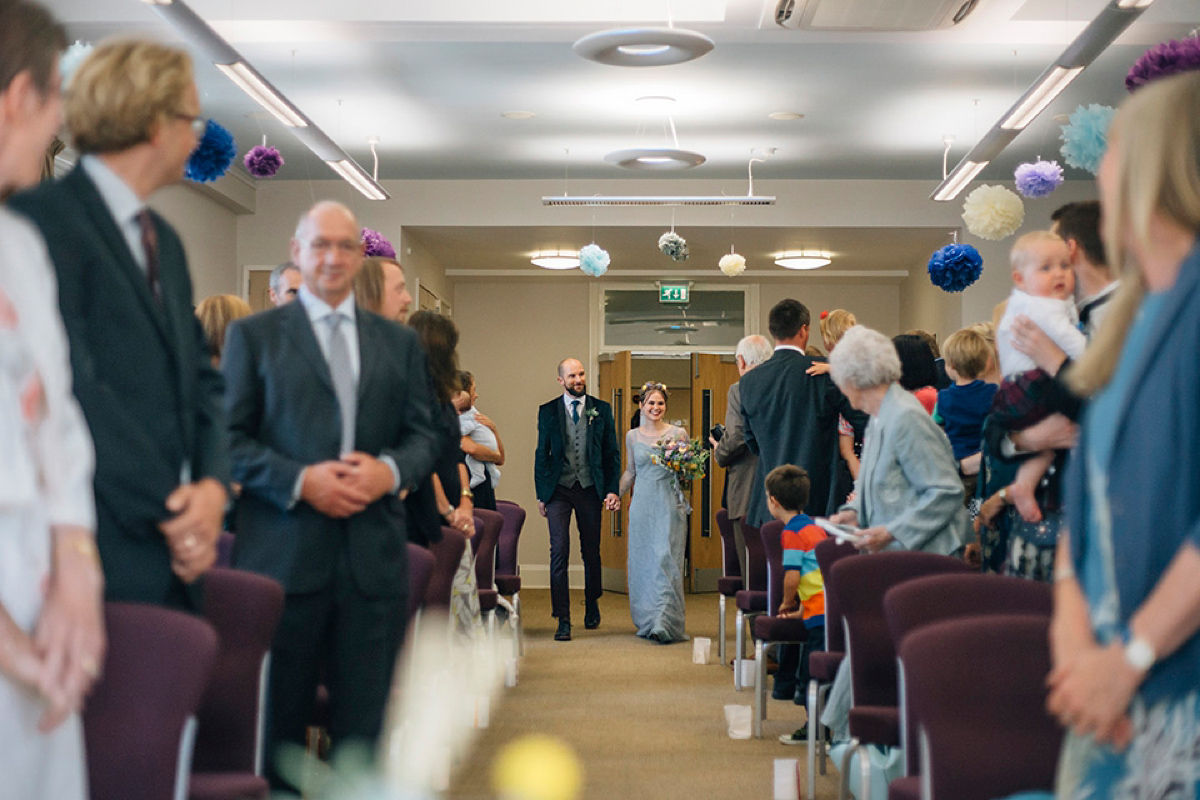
593	260
1086	137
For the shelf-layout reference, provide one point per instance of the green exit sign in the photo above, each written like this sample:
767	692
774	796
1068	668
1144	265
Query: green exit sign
674	293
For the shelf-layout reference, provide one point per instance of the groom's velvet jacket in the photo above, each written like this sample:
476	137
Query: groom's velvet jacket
604	453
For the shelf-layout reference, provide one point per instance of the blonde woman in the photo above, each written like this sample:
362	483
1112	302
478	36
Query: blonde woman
215	313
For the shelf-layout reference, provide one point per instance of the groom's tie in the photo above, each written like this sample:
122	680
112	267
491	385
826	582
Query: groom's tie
575	411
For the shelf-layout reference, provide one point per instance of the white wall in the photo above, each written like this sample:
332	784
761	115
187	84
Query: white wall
209	233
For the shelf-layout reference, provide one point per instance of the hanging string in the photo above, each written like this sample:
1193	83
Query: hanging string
374	141
672	219
949	142
567	172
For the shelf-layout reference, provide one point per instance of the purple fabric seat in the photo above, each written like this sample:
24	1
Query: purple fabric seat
134	721
228	786
447	554
420	569
768	628
923	601
752	599
906	788
730	582
244	608
508	568
978	685
225	549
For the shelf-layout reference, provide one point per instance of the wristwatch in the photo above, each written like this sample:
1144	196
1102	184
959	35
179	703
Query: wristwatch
1139	653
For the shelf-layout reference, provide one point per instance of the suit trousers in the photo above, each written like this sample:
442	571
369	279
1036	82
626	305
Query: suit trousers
350	639
587	507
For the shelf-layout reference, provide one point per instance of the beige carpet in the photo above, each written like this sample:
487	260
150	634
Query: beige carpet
647	723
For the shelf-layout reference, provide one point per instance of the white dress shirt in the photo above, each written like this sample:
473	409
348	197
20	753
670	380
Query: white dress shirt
122	202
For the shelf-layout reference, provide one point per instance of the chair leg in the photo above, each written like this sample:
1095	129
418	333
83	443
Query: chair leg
721	629
739	648
813	725
864	769
844	786
520	627
760	687
822	747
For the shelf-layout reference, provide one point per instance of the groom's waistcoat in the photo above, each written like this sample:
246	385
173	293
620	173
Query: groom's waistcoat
575	435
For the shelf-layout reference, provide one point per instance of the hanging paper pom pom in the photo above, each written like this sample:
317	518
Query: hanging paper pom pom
993	212
71	59
1167	58
212	156
263	161
376	244
673	245
955	267
732	264
1085	138
593	260
1039	178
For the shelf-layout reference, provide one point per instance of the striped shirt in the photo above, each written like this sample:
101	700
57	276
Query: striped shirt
800	538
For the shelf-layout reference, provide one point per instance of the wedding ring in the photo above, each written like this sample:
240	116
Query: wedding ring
89	667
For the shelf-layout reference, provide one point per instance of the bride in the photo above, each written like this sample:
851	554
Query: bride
657	522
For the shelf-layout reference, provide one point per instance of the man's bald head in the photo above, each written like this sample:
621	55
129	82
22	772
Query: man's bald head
328	250
571	376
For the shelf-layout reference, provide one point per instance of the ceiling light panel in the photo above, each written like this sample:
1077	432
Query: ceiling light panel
669	200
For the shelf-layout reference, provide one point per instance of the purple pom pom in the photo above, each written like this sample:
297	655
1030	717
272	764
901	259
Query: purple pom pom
1039	178
263	161
955	267
1168	58
375	244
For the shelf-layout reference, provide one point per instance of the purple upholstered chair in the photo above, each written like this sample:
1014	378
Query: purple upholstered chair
730	582
860	584
508	570
420	570
138	722
752	599
225	549
483	544
244	608
768	628
978	686
923	601
447	553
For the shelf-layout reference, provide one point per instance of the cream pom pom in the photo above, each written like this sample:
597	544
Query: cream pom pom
732	264
993	212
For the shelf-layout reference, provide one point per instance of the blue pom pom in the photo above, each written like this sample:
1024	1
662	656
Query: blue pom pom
593	260
1039	178
212	157
955	267
1086	137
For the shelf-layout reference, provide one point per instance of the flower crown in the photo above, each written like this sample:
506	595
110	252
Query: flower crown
649	386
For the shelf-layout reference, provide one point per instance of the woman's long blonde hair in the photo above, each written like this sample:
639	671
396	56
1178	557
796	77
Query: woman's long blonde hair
1157	174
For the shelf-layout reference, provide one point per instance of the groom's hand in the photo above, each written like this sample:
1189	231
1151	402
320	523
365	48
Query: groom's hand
541	508
612	502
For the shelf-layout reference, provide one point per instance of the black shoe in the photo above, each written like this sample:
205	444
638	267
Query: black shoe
591	620
563	634
801	736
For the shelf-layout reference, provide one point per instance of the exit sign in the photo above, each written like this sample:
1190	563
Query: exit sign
674	293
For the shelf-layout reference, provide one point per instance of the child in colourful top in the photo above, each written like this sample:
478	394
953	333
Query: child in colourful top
803	588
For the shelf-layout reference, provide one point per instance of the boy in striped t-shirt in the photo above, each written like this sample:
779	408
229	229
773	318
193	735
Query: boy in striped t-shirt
803	589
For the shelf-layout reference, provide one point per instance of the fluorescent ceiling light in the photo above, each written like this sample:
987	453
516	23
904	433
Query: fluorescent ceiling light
655	158
957	180
358	178
250	82
556	259
803	260
678	200
157	2
1040	95
643	47
1133	3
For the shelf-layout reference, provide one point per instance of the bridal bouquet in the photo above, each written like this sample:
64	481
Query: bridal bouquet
687	459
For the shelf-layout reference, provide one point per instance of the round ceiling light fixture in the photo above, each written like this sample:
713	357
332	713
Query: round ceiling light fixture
803	259
655	158
643	47
556	259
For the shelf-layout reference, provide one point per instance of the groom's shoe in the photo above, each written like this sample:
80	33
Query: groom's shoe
591	620
563	634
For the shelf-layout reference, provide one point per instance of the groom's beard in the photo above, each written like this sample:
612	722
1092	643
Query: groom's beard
577	392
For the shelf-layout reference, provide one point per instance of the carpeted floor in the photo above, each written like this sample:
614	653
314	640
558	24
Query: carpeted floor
647	723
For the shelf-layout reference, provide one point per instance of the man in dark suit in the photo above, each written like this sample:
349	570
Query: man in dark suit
789	416
141	370
330	424
577	467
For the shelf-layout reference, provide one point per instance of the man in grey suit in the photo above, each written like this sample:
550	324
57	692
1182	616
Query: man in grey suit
731	451
329	417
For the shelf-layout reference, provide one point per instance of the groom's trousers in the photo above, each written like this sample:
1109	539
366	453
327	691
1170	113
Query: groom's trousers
587	507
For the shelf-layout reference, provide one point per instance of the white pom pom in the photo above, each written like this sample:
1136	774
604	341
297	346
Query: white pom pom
993	212
732	264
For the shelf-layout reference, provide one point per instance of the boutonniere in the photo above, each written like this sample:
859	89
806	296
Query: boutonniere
591	414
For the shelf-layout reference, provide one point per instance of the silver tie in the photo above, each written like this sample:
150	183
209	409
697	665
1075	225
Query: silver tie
343	380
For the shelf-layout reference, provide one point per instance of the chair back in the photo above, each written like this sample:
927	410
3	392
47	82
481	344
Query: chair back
923	601
771	534
510	537
828	553
244	608
860	584
978	685
756	560
420	569
138	731
225	549
731	567
483	544
447	554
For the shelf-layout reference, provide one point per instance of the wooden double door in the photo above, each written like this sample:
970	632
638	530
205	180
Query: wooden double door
711	376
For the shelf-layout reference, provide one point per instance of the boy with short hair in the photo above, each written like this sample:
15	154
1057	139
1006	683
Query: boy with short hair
962	407
803	588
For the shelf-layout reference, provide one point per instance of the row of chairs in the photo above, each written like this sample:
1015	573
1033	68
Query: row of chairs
180	710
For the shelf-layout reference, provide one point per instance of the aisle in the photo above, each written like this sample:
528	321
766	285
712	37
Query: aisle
647	723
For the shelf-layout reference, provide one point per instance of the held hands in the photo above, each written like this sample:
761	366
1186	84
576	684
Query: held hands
327	487
192	532
1091	691
611	503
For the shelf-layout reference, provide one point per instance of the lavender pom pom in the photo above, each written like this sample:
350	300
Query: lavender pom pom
1167	58
955	267
376	244
1039	178
1086	137
593	260
212	157
673	245
263	161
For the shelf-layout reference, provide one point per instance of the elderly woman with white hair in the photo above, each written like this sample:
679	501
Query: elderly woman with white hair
908	495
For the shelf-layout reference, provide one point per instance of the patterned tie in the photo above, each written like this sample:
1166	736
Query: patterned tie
343	379
575	411
150	248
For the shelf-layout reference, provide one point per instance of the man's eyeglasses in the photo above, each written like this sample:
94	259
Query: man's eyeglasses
199	124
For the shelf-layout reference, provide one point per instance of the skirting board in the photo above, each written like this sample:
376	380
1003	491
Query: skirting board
538	577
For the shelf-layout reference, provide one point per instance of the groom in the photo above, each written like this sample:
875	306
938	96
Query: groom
576	468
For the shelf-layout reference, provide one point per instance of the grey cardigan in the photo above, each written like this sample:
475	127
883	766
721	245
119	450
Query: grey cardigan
908	482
